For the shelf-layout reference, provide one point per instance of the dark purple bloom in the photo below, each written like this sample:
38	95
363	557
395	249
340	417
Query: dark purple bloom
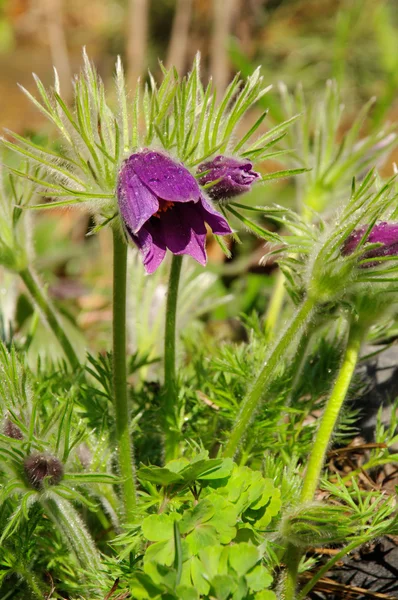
235	177
382	233
163	207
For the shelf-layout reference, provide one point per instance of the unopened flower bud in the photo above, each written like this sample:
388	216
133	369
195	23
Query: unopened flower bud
40	467
232	177
11	430
383	233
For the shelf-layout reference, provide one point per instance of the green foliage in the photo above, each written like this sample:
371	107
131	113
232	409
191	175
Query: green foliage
207	504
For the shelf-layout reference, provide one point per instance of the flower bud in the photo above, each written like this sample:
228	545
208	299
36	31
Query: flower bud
382	233
40	467
232	176
11	430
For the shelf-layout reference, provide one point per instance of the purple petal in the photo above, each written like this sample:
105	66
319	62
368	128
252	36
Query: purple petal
216	222
164	177
151	244
353	240
385	233
185	232
136	202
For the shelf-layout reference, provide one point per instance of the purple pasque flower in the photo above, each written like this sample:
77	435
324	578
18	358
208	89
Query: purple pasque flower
163	207
383	233
234	177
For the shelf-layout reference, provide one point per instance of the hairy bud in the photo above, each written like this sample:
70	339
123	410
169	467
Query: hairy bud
11	430
41	467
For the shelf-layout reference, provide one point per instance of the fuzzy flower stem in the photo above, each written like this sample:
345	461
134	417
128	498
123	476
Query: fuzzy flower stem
125	451
331	412
170	378
47	310
275	305
322	441
251	401
31	582
68	522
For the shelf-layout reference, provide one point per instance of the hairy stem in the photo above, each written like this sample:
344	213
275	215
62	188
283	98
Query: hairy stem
275	305
331	412
120	398
252	399
32	583
322	441
69	523
47	310
170	376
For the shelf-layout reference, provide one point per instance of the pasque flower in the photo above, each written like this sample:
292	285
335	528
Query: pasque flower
163	207
232	176
382	233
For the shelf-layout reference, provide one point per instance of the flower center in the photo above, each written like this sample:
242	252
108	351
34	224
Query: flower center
164	206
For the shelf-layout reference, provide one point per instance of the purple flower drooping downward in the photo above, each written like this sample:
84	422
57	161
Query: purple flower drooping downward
235	177
382	233
163	207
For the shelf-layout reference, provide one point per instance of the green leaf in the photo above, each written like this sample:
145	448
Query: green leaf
199	469
220	471
202	512
225	518
223	586
157	528
202	536
177	465
259	578
161	574
212	561
160	552
142	587
200	583
159	475
266	595
185	592
243	557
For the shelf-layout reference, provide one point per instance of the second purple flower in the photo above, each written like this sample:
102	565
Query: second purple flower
162	207
232	176
382	233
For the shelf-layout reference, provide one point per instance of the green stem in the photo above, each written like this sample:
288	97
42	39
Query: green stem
170	378
275	305
125	451
251	401
31	582
71	526
331	412
322	441
327	566
47	310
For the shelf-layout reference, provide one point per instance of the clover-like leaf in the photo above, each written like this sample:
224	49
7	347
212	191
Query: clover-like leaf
243	557
258	578
201	513
158	528
223	586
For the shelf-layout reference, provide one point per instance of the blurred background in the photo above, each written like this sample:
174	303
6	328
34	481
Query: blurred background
354	42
